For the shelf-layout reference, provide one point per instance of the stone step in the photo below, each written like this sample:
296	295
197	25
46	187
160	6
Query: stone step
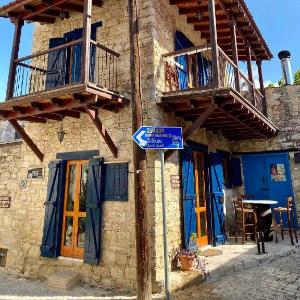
65	280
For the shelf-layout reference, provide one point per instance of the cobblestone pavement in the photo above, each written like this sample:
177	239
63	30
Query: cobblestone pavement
277	281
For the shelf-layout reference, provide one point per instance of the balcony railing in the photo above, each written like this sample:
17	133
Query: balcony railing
193	68
61	66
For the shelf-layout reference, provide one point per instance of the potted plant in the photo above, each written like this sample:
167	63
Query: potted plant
189	261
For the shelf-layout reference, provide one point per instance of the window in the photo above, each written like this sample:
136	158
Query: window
116	182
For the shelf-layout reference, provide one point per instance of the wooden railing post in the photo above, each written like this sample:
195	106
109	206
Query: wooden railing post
14	55
214	41
235	55
261	84
86	41
250	72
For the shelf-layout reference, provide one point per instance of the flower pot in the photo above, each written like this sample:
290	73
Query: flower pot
186	263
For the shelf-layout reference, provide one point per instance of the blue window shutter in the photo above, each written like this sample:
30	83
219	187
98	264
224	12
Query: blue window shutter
56	69
116	182
92	245
236	172
53	210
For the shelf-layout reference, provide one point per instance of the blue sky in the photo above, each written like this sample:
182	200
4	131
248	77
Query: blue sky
279	23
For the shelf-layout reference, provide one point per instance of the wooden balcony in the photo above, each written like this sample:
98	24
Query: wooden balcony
71	78
191	87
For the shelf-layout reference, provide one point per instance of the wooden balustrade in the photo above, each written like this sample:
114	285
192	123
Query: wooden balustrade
193	68
61	66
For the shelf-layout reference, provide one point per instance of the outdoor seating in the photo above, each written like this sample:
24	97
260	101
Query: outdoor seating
245	218
285	216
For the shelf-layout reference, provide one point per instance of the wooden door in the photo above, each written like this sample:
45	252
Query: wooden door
74	216
201	211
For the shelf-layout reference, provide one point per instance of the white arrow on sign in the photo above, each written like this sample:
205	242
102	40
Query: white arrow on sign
142	142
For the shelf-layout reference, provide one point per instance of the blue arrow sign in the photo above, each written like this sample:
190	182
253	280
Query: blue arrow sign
159	137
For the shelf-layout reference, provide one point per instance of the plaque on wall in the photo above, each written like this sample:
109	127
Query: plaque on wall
5	201
35	173
175	181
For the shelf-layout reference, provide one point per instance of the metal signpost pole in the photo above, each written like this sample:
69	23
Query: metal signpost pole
161	138
165	238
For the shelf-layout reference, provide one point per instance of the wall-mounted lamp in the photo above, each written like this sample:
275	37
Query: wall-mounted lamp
61	133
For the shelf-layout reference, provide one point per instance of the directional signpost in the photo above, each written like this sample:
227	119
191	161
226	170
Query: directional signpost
161	138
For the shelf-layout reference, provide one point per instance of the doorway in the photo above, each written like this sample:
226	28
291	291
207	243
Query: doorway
74	213
272	180
194	193
201	209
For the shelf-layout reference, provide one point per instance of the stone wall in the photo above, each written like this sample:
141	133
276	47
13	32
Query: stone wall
284	111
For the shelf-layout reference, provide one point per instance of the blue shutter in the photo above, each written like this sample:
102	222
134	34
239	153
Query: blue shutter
182	42
56	69
189	197
217	198
116	182
236	172
53	210
93	212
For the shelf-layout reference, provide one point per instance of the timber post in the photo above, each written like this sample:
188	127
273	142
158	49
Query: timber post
261	84
214	41
144	287
86	41
235	54
14	55
250	73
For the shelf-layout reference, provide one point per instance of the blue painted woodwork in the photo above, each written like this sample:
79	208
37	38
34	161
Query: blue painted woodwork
116	182
50	246
217	199
182	42
58	71
92	245
258	179
57	62
188	196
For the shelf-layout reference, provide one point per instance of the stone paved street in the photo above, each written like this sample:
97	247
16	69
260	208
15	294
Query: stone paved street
277	280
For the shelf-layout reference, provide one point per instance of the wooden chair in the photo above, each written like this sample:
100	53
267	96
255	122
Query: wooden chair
171	76
279	213
248	218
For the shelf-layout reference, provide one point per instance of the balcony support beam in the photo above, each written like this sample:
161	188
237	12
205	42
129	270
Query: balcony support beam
235	54
102	130
86	41
27	139
214	41
14	55
195	125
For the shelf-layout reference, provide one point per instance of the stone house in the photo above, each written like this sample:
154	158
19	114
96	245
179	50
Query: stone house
71	187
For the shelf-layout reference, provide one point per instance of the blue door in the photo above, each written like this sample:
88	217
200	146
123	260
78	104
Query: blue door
217	199
189	198
268	176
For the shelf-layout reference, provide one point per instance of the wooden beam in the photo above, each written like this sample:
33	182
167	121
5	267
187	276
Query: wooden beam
195	125
102	130
214	42
143	261
40	8
235	54
72	7
86	41
27	139
14	55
